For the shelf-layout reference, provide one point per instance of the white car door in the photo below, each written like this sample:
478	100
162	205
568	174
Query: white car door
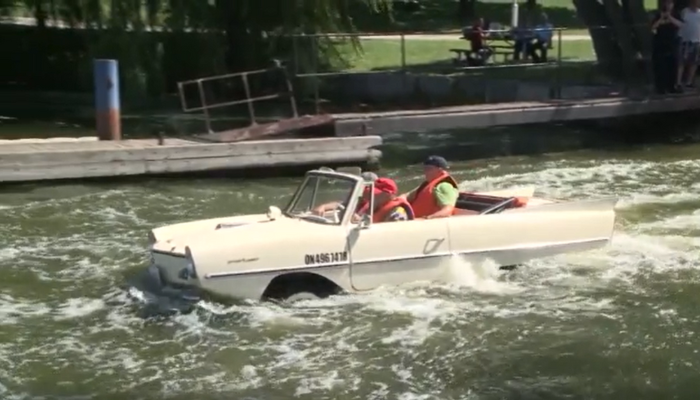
392	253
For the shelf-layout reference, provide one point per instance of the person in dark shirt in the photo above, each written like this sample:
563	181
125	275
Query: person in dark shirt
476	35
664	47
480	52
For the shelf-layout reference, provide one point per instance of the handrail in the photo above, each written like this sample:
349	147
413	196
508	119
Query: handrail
332	35
233	103
439	33
224	76
205	107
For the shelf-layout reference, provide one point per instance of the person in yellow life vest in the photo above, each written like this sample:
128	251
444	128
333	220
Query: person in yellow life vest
387	206
437	196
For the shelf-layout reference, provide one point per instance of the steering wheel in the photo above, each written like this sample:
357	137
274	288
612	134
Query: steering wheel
315	217
336	213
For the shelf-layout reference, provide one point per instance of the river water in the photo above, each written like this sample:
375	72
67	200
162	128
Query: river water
617	323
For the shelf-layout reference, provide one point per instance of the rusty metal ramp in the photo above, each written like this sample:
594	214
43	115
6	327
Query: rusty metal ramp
261	131
205	88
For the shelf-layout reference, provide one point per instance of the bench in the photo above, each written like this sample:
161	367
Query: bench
464	56
461	56
505	55
506	52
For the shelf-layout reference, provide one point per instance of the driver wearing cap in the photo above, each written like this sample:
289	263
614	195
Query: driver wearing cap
387	206
437	196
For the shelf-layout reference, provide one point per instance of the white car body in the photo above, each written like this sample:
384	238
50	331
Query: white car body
294	254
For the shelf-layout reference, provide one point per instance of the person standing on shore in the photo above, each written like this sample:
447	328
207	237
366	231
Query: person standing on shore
665	26
689	52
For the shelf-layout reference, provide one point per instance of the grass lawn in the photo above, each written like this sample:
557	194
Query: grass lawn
386	54
432	56
649	4
441	15
564	32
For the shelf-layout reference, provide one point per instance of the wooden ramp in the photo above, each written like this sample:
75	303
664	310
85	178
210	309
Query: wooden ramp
36	160
516	113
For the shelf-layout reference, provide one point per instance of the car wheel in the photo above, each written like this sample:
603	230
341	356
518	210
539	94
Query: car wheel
299	296
299	286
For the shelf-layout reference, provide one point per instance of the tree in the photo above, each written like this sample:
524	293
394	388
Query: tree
467	11
621	35
252	30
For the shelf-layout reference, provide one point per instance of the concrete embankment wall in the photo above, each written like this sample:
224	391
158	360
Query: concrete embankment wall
464	89
386	88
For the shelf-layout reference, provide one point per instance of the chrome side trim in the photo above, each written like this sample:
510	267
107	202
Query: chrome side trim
301	268
402	258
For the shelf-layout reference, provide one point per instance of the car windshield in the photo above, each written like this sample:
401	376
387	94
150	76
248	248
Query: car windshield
323	199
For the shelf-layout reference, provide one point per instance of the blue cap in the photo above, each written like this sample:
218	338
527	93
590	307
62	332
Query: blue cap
436	161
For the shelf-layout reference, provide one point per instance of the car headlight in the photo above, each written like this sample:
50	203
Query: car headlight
190	270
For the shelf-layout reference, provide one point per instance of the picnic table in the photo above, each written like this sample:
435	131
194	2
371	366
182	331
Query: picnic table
505	51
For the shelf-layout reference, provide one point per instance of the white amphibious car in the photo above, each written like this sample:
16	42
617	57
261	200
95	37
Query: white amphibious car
293	253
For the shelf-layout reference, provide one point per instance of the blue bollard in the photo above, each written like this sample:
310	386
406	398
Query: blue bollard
107	99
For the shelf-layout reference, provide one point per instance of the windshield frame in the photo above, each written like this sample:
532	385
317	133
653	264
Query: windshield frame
358	186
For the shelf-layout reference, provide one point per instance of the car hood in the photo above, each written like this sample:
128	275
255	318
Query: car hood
174	238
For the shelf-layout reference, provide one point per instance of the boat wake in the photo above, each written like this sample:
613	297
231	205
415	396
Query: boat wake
540	329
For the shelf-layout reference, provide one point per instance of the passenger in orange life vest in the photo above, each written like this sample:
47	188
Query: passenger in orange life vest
387	207
437	196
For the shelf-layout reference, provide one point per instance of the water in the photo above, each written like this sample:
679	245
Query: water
615	323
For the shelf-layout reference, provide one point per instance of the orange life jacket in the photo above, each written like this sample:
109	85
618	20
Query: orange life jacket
424	203
362	206
383	211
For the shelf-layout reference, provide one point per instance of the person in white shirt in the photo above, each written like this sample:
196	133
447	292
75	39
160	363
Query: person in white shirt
689	51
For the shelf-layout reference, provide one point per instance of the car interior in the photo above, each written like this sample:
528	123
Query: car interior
471	204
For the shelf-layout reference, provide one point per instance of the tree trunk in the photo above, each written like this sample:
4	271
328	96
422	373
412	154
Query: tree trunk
467	11
621	37
641	29
605	46
40	13
620	29
242	47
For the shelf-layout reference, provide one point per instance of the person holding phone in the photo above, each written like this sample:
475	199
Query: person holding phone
665	27
689	51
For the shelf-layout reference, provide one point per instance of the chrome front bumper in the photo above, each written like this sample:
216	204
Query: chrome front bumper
156	285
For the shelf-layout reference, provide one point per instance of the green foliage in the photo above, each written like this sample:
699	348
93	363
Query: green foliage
241	34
